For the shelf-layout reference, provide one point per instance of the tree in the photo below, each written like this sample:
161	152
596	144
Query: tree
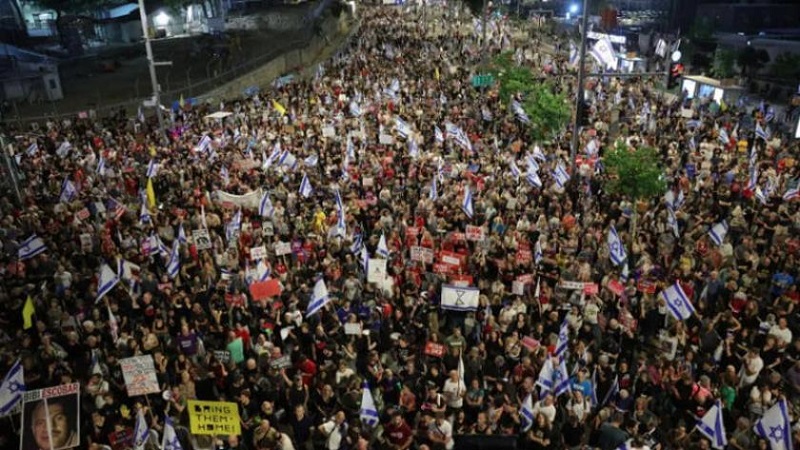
786	67
547	110
724	61
634	173
751	60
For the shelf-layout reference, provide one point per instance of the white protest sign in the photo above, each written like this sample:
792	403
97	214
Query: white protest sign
86	242
257	253
517	287
139	374
376	270
422	254
328	132
571	285
386	139
283	248
352	329
460	298
201	239
474	233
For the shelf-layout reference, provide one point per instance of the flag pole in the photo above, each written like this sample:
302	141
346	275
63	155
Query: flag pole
579	90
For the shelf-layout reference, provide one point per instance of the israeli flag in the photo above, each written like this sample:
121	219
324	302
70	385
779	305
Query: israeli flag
144	214
170	441
574	56
538	255
770	115
101	166
792	193
319	298
526	413
718	232
438	135
364	257
534	180
141	432
466	205
311	161
413	148
515	172
672	201
395	86
265	208
775	426
486	114
106	281
712	426
761	133
204	144
341	219
152	169
533	166
288	159
752	180
32	150
351	149
538	154
561	382
616	249
546	375
677	303
459	298
226	177
305	187
63	150
672	222
355	110
562	345
68	191
760	196
182	234
262	271
31	247
162	249
723	136
174	262
520	113
12	388
368	412
382	250
402	128
358	243
560	175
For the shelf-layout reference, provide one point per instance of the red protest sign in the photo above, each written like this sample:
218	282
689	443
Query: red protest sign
616	287
434	349
524	256
442	268
265	289
590	288
474	233
647	287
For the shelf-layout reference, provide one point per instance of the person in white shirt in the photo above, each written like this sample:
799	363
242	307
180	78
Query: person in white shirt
334	430
751	367
441	432
546	408
781	332
454	390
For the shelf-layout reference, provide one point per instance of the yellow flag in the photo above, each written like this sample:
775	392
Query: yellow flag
278	107
27	313
151	194
436	73
153	150
722	105
181	102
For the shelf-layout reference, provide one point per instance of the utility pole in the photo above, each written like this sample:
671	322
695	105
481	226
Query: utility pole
579	98
12	173
152	64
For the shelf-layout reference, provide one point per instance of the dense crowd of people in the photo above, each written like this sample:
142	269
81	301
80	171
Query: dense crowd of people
324	165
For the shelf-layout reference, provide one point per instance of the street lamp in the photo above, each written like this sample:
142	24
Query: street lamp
579	98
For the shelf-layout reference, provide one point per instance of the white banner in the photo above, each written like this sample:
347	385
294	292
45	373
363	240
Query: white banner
460	298
250	200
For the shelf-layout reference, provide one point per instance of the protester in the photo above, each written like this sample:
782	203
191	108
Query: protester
323	168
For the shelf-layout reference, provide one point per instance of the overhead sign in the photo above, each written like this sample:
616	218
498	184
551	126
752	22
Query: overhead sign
214	418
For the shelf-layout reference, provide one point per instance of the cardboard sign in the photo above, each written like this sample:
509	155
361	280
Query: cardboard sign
265	289
616	287
55	402
422	254
376	270
257	253
201	239
139	374
475	233
282	362
518	288
352	329
214	418
328	132
283	248
591	288
434	349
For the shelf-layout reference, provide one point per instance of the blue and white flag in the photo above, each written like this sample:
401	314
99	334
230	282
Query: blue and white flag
718	232
12	388
368	412
538	255
560	175
340	214
305	187
204	144
141	431
561	380
515	172
760	196
574	56
413	148
262	271
775	426
534	180
612	391
226	177
182	235
672	201
792	193
526	413
546	375
723	136
458	135
358	243
364	258
677	302
466	205
63	150
438	135
383	249
319	298
233	227
538	153
519	113
152	169
433	193
770	115
562	345
460	298
351	149
752	179
170	441
144	213
672	222
761	133
174	262
530	160
265	208
68	191
402	128
355	110
101	166
311	161
32	149
106	281
616	249
712	426
287	159
31	247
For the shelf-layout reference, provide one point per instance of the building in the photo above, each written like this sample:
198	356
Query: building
28	76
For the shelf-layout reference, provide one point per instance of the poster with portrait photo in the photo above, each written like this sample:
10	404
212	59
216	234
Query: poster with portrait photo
51	418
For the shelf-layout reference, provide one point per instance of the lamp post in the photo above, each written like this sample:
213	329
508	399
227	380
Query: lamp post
12	172
579	99
152	65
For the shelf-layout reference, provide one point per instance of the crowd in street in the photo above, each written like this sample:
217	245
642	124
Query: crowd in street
389	148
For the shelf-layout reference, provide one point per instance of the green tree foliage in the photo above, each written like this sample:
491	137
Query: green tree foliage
634	173
751	60
786	67
724	62
549	112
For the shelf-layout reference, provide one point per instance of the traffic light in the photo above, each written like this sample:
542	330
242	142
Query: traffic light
584	112
675	74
